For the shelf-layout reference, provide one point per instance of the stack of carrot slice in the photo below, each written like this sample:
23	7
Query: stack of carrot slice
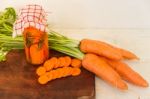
58	67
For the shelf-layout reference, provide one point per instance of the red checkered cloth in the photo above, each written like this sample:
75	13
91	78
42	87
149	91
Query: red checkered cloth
30	15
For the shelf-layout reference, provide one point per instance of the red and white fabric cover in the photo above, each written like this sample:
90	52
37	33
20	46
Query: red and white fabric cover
30	15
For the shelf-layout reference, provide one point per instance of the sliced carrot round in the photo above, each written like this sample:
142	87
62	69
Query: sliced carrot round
43	79
62	61
53	73
40	71
60	73
49	75
75	62
49	64
67	61
57	63
76	72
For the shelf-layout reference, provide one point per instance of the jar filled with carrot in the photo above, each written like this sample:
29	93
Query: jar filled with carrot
36	45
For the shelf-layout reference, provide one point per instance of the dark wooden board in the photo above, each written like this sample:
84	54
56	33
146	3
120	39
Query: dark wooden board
19	81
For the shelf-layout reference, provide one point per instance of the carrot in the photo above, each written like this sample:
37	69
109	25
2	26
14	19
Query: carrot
58	73
32	31
67	61
45	46
76	72
127	54
75	62
43	79
36	54
34	41
49	64
27	53
99	48
62	61
54	74
128	73
40	71
57	63
98	66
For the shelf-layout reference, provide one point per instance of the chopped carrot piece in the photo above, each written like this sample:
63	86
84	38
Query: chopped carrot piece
76	72
43	79
49	64
62	61
67	61
75	62
40	71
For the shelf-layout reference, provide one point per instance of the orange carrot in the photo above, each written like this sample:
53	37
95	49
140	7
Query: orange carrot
32	31
75	62
58	73
43	79
27	52
126	54
76	71
57	63
67	61
62	61
35	41
49	64
98	66
127	73
45	51
40	71
36	54
99	48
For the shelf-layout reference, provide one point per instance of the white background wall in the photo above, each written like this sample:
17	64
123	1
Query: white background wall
92	13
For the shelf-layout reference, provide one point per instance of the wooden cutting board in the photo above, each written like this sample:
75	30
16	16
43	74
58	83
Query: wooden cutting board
19	81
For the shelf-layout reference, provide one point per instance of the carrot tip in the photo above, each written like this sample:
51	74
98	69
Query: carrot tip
146	84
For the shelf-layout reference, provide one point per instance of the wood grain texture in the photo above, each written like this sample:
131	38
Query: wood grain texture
18	80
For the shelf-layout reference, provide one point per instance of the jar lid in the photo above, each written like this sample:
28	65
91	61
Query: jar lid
30	15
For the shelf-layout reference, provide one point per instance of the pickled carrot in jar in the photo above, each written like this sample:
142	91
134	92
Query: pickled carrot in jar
36	45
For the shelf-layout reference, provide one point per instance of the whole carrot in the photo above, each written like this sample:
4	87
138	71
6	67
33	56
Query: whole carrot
99	48
99	67
128	73
127	54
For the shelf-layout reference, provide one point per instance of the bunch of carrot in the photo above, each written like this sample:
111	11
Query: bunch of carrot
105	61
101	58
57	68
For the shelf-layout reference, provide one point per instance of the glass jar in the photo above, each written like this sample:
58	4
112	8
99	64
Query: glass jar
36	45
